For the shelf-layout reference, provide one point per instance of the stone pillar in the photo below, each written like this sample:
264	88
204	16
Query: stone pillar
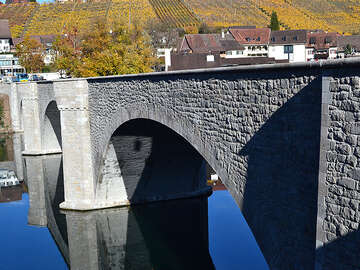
36	184
106	239
15	109
19	166
79	181
83	242
31	120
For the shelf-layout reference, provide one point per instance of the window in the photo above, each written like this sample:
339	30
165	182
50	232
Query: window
295	38
312	40
258	39
228	53
247	39
210	58
327	40
239	52
288	49
283	38
273	39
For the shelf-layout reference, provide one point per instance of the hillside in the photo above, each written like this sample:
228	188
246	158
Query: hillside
331	15
34	19
18	15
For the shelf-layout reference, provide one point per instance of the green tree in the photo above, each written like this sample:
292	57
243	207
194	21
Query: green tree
274	22
105	51
31	55
348	49
203	28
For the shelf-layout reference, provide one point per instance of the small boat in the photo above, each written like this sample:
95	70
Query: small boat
8	178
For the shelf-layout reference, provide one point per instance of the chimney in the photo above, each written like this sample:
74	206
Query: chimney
222	33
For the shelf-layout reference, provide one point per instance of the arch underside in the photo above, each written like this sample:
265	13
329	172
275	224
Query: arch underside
51	129
146	161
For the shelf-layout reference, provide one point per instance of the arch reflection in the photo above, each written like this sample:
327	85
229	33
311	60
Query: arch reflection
166	235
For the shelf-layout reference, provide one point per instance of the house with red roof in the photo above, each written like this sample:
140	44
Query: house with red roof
254	40
288	45
321	45
218	50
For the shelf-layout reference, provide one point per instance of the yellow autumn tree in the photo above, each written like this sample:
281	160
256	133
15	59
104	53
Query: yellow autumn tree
31	54
106	51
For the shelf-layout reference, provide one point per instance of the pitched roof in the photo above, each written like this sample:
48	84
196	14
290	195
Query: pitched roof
321	40
5	29
205	43
251	36
354	41
43	39
288	37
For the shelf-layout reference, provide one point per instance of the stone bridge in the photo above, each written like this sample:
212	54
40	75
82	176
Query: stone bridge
284	139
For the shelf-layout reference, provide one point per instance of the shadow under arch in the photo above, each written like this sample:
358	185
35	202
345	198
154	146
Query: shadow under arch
51	129
146	161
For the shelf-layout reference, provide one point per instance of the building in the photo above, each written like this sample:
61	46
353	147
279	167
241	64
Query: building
321	45
9	65
47	42
164	42
254	40
348	46
237	46
5	37
223	44
288	45
204	60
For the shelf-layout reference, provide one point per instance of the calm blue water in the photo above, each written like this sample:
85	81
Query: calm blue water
231	244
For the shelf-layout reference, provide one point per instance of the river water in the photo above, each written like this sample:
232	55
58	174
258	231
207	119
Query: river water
200	233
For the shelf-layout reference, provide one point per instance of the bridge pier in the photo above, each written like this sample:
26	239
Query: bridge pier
40	121
37	214
79	181
140	237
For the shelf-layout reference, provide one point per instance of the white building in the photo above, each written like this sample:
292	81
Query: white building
254	40
5	37
321	45
348	46
165	53
288	45
9	65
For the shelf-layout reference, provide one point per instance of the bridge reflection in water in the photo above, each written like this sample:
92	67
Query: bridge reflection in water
168	235
171	235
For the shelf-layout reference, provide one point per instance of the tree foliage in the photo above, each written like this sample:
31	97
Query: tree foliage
31	54
274	22
104	51
348	49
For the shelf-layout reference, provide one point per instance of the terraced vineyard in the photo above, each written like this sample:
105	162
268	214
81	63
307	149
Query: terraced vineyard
228	12
34	19
174	13
17	14
134	11
330	15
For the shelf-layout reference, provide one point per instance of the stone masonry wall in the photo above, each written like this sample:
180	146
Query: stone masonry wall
339	212
259	130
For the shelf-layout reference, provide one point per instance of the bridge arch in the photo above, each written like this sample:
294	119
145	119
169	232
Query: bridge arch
148	161
51	128
183	129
